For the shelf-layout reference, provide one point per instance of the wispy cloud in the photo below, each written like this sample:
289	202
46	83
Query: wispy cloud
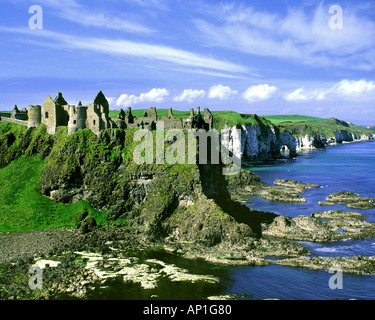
78	12
102	20
299	36
158	4
152	52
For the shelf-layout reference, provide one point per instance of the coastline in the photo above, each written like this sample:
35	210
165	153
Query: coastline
71	251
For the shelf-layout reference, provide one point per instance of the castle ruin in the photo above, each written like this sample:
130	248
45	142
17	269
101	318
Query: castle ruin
19	114
56	113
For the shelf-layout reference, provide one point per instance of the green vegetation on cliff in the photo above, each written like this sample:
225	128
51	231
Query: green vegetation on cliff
221	118
300	125
48	180
22	207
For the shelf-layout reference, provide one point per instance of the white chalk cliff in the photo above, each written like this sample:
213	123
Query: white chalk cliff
307	142
251	143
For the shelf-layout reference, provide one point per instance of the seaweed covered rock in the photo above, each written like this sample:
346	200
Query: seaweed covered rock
294	184
299	228
351	200
282	196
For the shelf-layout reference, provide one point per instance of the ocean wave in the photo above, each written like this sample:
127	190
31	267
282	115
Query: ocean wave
326	249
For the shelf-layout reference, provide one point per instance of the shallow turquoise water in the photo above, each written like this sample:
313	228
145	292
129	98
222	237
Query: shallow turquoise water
349	167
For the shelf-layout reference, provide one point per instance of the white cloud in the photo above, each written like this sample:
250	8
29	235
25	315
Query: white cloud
301	35
111	100
297	95
221	92
345	89
259	92
301	95
154	95
189	95
353	88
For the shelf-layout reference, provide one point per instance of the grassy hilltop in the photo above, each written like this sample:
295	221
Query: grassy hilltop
221	118
300	125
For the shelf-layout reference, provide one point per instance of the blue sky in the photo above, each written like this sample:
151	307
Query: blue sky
264	57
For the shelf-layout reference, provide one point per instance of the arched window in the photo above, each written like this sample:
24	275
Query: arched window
46	115
94	122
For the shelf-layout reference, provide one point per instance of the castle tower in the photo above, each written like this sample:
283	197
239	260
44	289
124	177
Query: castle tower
14	112
48	115
208	118
77	118
101	102
98	114
119	121
35	116
170	113
129	118
191	113
198	118
121	115
59	100
152	113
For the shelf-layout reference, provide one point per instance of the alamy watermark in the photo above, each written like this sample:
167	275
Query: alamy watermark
336	22
36	278
174	147
336	281
36	20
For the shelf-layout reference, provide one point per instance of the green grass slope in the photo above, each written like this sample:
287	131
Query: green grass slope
22	207
300	125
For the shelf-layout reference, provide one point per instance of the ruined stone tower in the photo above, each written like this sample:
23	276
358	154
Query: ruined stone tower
77	118
35	116
53	113
56	113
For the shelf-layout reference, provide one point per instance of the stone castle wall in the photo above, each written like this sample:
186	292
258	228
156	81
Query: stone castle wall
56	113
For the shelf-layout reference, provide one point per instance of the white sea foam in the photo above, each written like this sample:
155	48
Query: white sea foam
326	249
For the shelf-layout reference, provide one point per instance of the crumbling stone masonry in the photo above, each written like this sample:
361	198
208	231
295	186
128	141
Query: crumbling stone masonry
56	113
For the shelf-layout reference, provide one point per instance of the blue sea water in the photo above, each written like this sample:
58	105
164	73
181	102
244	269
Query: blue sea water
349	167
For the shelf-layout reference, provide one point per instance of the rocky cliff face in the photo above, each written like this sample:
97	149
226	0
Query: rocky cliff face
315	141
180	202
257	142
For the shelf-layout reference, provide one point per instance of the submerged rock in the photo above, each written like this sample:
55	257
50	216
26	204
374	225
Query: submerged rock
322	203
